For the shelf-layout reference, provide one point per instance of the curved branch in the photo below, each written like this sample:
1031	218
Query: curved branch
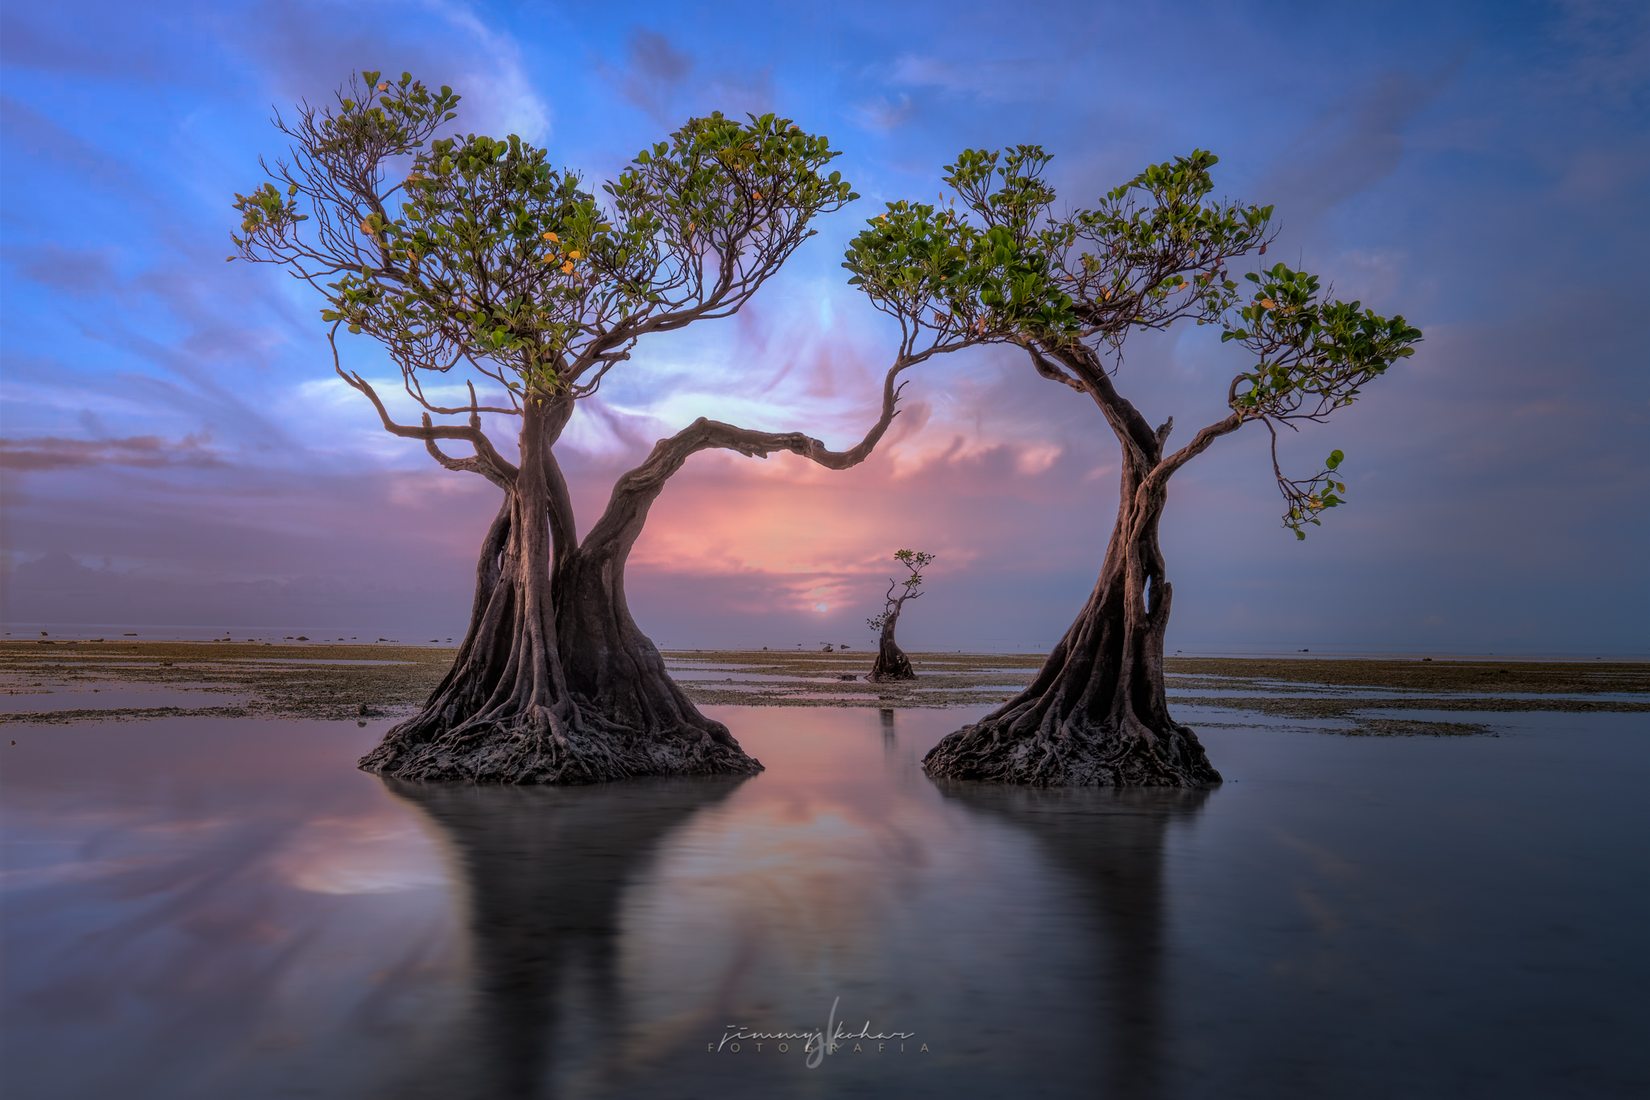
487	461
470	465
636	490
1198	444
1050	370
1133	430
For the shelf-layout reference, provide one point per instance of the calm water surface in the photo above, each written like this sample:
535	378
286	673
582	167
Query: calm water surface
207	908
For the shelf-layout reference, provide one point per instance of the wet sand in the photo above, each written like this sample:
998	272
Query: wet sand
70	681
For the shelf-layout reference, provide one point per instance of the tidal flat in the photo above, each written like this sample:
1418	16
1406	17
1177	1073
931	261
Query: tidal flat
69	681
203	898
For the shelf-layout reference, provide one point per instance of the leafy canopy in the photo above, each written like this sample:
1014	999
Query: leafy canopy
915	561
483	251
995	260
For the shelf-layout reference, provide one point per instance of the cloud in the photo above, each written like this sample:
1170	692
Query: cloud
24	45
1000	80
1600	51
1352	145
495	76
79	271
669	85
655	71
32	136
883	113
1494	205
54	453
306	49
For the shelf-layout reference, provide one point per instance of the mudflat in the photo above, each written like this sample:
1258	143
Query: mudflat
50	681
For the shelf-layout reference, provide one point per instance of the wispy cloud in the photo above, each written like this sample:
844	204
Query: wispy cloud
1478	174
884	113
306	48
144	451
995	79
670	85
1351	145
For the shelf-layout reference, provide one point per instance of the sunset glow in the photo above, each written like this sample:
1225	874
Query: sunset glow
176	451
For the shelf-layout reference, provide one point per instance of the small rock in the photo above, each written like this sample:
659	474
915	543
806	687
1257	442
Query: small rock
363	711
847	676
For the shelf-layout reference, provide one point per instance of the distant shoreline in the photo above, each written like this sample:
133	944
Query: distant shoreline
71	632
54	681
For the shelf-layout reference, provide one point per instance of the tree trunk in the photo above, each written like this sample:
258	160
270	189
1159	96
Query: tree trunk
615	672
507	711
1096	715
892	663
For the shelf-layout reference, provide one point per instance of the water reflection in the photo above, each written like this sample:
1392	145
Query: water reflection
545	874
1110	847
206	909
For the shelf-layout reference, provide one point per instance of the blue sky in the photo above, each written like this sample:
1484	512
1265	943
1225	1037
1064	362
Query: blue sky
176	450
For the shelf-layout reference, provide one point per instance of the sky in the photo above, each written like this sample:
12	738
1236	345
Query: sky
175	452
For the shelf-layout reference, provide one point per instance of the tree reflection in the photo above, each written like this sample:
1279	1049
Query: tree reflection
547	871
1109	844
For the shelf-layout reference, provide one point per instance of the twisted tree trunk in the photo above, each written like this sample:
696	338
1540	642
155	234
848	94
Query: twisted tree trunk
616	674
553	683
892	663
1097	715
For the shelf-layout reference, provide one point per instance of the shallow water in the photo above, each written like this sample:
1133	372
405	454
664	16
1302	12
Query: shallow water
210	908
40	700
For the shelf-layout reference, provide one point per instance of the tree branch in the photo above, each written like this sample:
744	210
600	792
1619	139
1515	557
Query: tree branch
487	460
1131	428
1050	370
636	490
1199	443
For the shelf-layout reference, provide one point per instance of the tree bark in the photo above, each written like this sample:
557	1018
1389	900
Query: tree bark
553	682
891	663
616	673
1097	714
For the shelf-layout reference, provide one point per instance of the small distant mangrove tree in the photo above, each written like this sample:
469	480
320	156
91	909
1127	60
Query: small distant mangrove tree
891	662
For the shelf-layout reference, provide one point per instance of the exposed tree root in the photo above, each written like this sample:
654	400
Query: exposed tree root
1073	753
540	746
892	664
